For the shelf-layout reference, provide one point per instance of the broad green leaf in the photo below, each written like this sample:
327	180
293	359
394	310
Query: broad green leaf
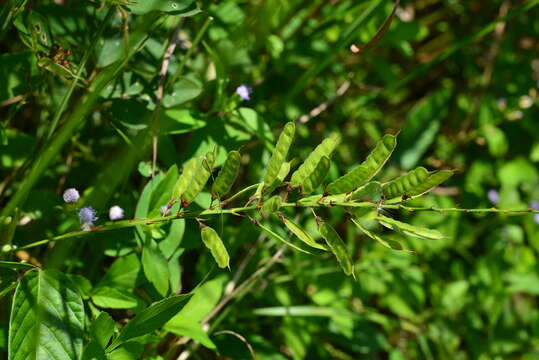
411	230
367	170
184	90
155	266
123	273
101	331
191	329
415	183
113	298
151	318
47	318
131	350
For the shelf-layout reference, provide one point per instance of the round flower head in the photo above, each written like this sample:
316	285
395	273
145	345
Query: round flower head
71	195
164	210
244	92
493	196
87	217
116	213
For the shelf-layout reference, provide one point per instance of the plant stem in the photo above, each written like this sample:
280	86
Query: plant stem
245	209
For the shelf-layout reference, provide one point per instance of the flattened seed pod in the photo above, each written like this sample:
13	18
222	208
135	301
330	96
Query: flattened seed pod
325	148
189	171
227	175
337	246
271	206
302	234
368	168
214	243
279	153
415	183
315	178
199	179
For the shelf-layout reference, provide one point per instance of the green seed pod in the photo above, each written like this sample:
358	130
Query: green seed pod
285	169
324	149
227	175
415	183
337	246
410	230
302	234
367	170
279	153
181	185
372	190
199	179
214	243
271	206
315	178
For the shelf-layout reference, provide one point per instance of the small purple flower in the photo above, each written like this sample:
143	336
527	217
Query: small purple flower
534	205
87	217
164	210
116	213
536	218
244	92
493	196
71	195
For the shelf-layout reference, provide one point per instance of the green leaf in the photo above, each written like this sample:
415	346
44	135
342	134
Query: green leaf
47	318
101	331
123	273
393	245
113	298
16	265
155	266
411	230
151	318
184	90
172	7
367	170
415	183
180	121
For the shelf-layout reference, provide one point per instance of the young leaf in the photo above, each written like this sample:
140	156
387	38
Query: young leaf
410	230
199	179
302	234
415	183
315	178
227	175
279	153
337	246
324	149
214	243
151	319
47	318
390	245
367	170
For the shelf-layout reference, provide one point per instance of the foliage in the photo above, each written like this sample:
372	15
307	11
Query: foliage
260	152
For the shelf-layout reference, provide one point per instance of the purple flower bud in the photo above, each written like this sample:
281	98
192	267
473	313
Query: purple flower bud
164	210
536	218
116	213
534	205
71	195
87	217
244	92
493	196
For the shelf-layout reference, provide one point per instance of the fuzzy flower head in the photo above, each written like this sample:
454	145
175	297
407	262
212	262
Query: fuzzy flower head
87	217
116	213
164	210
71	195
493	196
244	92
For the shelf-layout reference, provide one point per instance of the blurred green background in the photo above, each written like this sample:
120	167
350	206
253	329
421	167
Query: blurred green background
457	79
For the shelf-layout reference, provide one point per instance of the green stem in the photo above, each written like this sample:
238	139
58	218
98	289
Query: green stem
82	64
241	210
241	192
